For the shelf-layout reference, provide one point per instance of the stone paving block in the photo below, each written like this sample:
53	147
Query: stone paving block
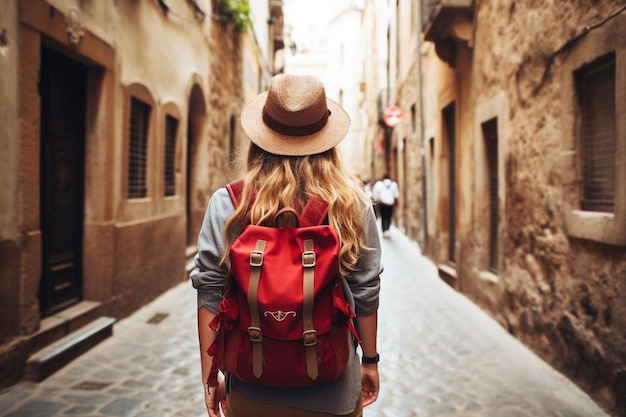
122	407
81	410
87	399
37	408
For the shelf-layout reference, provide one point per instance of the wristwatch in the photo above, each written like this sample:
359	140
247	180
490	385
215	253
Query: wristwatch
370	359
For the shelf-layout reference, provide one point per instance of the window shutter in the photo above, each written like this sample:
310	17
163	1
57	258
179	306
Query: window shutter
596	90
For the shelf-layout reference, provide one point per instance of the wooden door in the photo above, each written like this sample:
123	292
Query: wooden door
63	98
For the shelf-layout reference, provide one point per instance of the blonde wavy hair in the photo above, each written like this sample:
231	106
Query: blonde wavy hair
286	181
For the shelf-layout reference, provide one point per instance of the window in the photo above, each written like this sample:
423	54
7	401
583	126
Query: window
490	136
171	132
595	85
594	135
138	149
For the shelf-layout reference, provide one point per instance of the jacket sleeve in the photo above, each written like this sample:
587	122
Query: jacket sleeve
209	275
364	282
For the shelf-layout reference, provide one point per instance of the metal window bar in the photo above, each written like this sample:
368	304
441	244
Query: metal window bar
138	149
171	132
490	136
596	93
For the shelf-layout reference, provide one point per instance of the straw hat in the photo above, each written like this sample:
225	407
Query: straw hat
294	117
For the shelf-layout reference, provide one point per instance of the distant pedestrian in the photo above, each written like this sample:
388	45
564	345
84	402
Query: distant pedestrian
386	194
292	158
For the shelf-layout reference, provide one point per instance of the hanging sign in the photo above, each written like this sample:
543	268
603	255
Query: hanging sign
392	116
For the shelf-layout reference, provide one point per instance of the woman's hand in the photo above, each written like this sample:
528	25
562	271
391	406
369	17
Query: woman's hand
370	382
215	398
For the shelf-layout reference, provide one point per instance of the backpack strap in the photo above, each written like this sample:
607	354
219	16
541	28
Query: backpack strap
235	189
314	212
309	335
254	331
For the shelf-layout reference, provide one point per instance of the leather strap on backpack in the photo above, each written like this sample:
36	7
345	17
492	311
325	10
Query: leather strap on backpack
309	335
254	331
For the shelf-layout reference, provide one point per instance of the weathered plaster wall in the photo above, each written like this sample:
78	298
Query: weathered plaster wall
132	250
561	296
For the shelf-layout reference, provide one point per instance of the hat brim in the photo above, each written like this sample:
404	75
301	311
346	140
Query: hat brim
333	132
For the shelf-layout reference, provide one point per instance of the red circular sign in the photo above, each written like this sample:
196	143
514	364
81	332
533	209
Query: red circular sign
392	116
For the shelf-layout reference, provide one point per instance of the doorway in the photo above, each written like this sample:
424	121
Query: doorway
63	101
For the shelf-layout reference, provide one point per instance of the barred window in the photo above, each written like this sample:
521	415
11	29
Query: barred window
138	149
171	132
594	103
595	84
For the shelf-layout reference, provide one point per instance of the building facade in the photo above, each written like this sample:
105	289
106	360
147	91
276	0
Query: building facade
511	161
327	42
118	121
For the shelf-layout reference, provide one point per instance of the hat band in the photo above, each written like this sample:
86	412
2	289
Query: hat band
284	129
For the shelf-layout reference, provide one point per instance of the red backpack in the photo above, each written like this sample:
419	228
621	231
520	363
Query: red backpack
284	320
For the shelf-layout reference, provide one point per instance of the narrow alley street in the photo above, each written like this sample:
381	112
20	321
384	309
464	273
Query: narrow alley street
440	356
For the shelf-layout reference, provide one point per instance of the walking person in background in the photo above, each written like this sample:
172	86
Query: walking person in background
292	158
385	193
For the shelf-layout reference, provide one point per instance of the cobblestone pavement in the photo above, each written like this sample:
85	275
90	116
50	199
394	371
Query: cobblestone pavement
440	356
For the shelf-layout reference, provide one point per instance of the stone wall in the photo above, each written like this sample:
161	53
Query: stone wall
556	288
560	295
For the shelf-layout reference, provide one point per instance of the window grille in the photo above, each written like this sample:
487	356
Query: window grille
490	135
596	93
138	149
171	132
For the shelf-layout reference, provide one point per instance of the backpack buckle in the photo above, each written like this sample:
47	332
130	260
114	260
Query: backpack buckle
308	259
255	334
310	338
256	258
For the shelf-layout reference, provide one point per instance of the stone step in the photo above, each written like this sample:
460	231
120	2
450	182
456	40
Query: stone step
61	324
53	357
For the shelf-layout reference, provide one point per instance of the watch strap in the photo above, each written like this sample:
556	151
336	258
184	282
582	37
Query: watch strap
370	359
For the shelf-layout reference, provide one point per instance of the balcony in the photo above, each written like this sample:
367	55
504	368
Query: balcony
446	22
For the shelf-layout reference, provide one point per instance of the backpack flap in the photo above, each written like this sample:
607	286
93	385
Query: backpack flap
280	290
